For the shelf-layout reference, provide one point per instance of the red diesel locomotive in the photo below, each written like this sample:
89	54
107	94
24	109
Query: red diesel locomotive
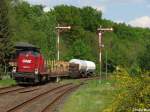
30	65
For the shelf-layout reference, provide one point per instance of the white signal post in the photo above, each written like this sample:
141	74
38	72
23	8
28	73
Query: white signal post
58	38
59	29
100	32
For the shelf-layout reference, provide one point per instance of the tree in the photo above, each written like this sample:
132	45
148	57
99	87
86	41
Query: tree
145	59
5	44
90	18
35	26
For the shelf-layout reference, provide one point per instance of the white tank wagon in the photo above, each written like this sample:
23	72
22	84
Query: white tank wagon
90	69
82	64
78	68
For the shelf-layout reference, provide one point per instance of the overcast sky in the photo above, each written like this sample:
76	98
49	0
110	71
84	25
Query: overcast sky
134	12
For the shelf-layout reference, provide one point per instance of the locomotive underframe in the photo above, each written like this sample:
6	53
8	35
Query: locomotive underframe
23	78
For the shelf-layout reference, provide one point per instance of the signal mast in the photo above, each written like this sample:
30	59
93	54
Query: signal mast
59	29
101	45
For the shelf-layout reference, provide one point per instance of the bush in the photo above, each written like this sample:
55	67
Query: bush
136	94
1	72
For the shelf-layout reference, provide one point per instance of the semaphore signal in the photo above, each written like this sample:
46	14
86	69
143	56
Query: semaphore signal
101	45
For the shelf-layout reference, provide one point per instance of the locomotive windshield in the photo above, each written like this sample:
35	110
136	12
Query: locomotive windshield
32	52
26	48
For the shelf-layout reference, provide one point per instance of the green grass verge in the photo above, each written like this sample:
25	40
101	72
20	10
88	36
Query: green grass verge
74	81
92	97
7	82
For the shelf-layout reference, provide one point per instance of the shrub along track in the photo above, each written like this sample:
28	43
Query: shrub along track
36	98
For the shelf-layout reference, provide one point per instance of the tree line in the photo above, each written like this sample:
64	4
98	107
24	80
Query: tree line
125	46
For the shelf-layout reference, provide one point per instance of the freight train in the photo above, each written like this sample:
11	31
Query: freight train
31	67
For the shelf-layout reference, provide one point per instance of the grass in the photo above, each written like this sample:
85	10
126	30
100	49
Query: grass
74	81
7	82
92	97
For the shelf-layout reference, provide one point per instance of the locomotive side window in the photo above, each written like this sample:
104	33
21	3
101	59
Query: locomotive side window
35	53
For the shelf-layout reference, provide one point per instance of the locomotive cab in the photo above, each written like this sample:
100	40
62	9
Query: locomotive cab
30	65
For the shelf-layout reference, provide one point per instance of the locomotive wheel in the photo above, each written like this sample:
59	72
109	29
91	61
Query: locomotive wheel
46	78
43	79
83	75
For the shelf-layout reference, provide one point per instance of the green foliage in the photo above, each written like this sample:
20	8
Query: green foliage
90	18
34	26
145	59
135	95
92	97
7	82
121	93
125	46
67	15
79	49
80	39
5	38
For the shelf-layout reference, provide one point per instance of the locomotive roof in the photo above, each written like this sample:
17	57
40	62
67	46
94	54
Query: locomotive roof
25	45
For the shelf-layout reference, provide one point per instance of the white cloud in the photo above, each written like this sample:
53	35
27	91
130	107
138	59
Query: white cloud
141	22
119	21
99	7
46	9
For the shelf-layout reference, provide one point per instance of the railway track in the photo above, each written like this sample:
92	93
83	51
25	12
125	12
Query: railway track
8	90
58	96
35	98
19	89
43	98
4	88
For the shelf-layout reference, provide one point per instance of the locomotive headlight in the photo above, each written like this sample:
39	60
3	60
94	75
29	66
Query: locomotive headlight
14	70
36	71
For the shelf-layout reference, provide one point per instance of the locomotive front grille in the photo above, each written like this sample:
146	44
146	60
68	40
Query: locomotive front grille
24	75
